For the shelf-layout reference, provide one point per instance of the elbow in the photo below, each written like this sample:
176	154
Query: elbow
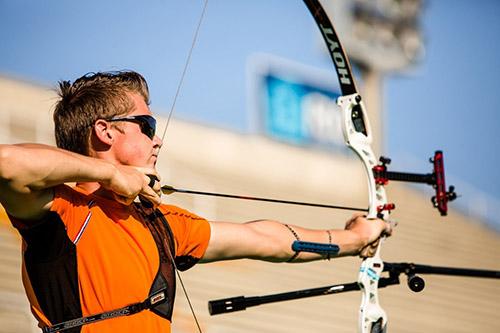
13	161
273	244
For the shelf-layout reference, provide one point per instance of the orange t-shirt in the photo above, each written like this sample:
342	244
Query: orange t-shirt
92	255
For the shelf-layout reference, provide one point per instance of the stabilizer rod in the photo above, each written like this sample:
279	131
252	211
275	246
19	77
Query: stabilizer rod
415	283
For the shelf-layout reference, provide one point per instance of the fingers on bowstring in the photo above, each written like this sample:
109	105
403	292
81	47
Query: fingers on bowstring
155	185
152	180
151	174
150	195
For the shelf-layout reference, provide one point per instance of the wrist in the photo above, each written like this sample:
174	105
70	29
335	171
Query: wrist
350	242
109	174
103	172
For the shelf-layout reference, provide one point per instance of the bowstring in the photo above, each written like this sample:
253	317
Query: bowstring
184	71
172	108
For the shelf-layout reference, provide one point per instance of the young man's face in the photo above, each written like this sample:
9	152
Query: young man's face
136	144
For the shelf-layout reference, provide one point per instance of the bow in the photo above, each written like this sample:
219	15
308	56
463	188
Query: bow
357	135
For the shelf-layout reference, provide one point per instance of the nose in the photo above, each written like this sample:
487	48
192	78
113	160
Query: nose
157	141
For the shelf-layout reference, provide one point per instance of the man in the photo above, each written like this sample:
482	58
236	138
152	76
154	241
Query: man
89	248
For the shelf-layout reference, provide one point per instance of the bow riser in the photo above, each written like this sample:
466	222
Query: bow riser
358	136
372	318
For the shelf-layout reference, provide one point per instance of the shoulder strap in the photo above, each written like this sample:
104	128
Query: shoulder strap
149	303
165	278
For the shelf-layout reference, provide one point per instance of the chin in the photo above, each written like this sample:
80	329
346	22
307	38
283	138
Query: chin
151	165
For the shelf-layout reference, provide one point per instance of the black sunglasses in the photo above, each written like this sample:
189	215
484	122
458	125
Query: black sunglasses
145	122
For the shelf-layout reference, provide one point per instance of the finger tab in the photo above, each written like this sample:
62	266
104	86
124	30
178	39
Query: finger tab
152	180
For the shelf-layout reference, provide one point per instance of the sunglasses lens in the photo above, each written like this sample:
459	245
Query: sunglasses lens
148	126
146	123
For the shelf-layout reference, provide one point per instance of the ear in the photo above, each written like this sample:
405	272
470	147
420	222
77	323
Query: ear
104	132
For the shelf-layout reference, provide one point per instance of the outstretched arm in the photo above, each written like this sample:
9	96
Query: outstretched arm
271	240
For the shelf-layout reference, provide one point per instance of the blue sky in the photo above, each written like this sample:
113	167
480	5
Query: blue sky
449	101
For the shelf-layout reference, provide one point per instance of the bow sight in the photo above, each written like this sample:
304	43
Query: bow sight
436	179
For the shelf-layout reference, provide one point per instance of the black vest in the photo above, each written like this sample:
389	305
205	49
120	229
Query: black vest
162	292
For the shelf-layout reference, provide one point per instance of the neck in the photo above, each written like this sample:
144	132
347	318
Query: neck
96	189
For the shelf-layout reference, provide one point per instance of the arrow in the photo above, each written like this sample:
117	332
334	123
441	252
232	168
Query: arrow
167	189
